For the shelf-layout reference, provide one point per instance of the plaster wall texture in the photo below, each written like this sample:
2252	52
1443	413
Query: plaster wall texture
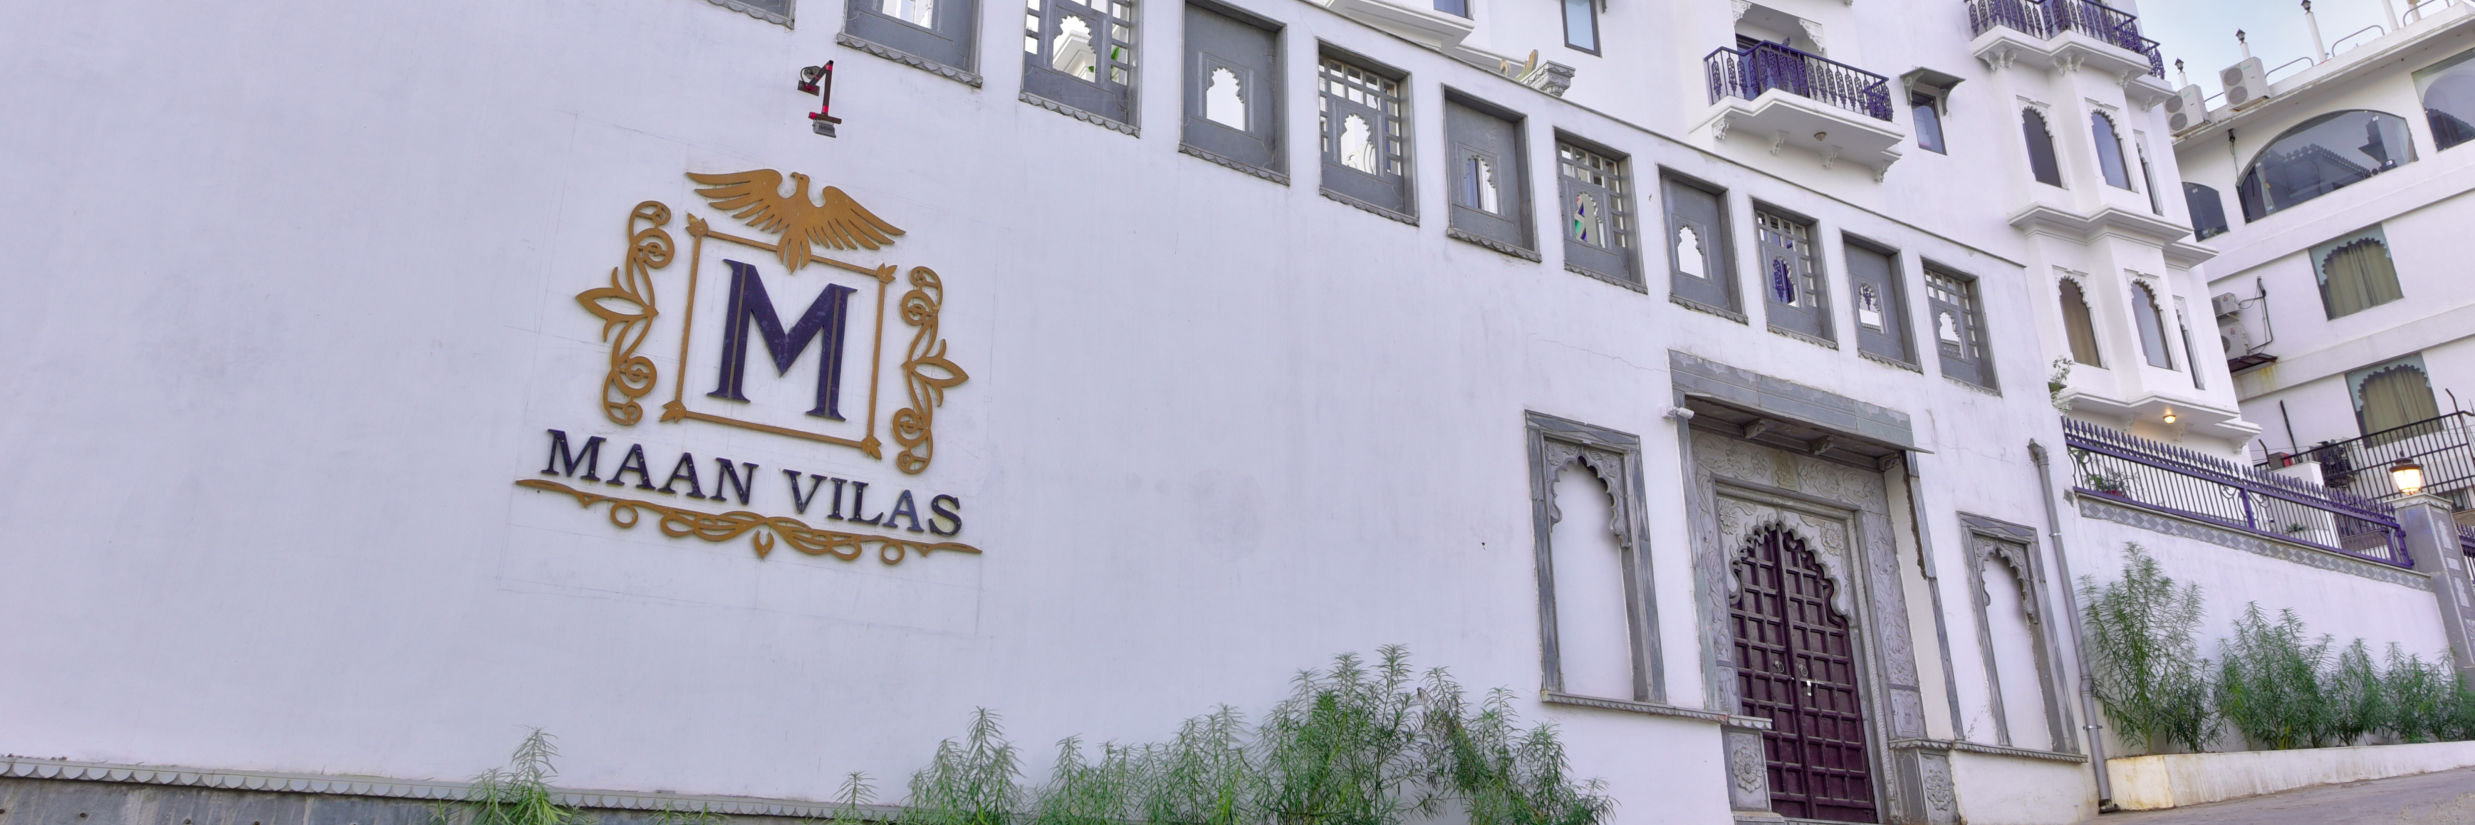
2151	782
1217	429
2022	791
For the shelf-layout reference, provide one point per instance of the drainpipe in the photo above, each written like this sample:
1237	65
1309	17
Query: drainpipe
2071	603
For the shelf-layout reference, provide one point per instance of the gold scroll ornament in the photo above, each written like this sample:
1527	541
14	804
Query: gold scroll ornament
761	530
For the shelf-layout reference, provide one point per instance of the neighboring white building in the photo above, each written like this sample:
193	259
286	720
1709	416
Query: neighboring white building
383	388
2338	291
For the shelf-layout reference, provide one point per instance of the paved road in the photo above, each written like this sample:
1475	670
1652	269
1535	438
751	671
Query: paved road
2444	798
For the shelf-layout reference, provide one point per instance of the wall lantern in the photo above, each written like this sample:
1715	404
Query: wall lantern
2407	474
819	81
2169	415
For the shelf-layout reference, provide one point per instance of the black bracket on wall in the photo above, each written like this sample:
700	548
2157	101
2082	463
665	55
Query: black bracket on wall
819	81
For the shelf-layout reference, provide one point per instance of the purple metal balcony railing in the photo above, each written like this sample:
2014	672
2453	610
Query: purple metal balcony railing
1748	72
2046	18
2444	445
2181	482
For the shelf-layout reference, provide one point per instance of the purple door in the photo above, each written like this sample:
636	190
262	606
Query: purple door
1795	667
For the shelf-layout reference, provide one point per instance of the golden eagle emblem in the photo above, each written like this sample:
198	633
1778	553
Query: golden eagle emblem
837	223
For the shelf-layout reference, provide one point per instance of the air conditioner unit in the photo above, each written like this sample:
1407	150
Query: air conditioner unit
2187	110
2246	85
2226	304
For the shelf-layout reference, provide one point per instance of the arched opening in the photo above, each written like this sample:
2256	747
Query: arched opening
2393	396
2449	100
2040	148
2320	156
2356	275
2076	325
2109	151
2152	324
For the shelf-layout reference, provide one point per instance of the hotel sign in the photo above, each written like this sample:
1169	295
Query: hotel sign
772	336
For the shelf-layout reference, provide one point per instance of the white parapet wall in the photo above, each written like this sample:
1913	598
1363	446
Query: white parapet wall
2151	782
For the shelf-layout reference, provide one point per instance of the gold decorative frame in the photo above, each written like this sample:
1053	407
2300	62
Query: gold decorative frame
626	308
926	370
760	529
676	410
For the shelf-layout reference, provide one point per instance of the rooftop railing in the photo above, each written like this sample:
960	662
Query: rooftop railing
1748	72
2444	445
2174	480
2046	18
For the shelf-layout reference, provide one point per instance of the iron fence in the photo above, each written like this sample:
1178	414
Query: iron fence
2444	445
2175	480
2044	19
1748	72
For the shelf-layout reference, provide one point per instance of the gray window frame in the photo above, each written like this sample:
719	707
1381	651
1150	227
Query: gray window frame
2111	165
1720	294
1259	149
1894	341
2014	548
1975	369
1589	15
947	48
2148	320
1392	193
1107	99
1771	228
1476	128
1622	251
1615	458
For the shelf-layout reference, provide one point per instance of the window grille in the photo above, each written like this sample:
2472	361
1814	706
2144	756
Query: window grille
1790	275
1081	56
1233	93
1880	301
936	35
1958	331
1364	140
1697	246
1490	178
1597	192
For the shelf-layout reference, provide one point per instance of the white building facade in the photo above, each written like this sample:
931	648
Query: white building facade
2336	291
1688	369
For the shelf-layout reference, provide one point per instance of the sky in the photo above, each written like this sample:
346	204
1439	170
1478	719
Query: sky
2201	32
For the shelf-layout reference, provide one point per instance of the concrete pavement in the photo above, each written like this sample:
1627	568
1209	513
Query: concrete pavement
2443	798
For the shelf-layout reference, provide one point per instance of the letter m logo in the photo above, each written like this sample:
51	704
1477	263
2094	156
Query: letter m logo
824	321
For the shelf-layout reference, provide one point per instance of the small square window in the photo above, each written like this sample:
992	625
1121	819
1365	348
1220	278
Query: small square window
1596	191
1581	25
935	35
1233	92
1490	181
1364	142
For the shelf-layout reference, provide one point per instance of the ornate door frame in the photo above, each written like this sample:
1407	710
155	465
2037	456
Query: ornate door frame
1738	487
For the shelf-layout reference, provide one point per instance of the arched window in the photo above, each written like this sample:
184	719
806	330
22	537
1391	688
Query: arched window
2392	395
2152	323
2040	148
2320	156
2109	151
2355	273
2449	99
2076	326
2208	211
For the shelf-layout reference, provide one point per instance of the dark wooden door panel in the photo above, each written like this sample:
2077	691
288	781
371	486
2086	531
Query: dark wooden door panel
1796	666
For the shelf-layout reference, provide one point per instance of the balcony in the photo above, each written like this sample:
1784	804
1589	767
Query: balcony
1792	98
2444	445
2069	34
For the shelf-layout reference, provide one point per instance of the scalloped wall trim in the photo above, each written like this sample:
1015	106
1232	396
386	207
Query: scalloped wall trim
789	7
2155	522
385	788
1810	339
1888	361
1192	150
967	78
1398	216
1079	114
1698	306
1456	233
1627	283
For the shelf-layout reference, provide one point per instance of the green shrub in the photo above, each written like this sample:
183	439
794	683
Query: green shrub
972	782
1503	774
2420	694
1343	748
520	793
1202	776
2144	659
2358	705
2269	684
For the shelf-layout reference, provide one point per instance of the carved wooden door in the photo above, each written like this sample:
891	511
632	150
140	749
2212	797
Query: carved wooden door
1796	668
